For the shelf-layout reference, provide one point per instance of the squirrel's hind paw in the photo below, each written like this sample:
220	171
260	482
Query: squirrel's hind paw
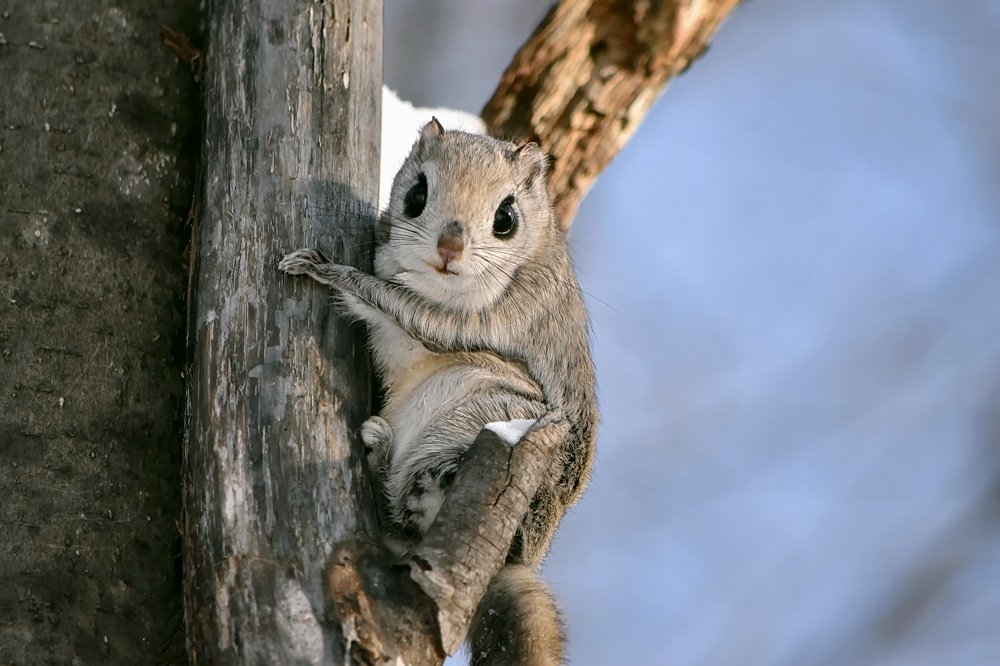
376	434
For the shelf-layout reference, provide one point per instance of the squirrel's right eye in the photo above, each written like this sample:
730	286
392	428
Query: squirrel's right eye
505	219
416	198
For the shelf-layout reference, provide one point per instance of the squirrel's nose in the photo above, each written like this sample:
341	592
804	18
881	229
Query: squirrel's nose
451	242
450	247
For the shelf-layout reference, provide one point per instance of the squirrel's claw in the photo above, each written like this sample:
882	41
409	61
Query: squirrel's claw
301	262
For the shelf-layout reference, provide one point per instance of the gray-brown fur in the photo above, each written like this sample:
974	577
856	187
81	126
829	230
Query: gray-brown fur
504	315
517	622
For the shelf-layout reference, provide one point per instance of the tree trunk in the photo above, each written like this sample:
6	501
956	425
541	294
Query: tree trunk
272	476
98	128
585	79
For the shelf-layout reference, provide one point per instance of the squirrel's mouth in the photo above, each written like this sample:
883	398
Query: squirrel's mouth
442	270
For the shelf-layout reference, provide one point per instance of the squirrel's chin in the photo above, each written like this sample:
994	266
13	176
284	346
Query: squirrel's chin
460	291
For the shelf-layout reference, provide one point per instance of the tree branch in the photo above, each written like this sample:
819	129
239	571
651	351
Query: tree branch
585	79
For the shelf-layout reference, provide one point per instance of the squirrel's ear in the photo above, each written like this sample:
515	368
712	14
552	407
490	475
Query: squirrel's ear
431	130
531	162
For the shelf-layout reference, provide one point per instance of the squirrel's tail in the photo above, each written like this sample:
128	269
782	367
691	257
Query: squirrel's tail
517	622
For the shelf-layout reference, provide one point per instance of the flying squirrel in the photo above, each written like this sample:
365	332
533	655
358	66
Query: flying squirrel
474	316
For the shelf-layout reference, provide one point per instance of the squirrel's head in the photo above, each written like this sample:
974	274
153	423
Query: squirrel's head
466	215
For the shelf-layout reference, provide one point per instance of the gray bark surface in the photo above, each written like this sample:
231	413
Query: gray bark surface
273	472
98	128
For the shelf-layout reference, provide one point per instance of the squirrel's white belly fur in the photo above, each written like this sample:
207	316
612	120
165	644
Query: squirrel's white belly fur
412	412
436	405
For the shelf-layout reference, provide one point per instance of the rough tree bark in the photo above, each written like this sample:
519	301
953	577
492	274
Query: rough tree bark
98	128
585	79
279	383
274	486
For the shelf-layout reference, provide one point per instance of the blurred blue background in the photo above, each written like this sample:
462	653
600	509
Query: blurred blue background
793	272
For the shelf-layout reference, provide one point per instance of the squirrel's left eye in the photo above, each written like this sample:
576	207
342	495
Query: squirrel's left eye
505	219
416	198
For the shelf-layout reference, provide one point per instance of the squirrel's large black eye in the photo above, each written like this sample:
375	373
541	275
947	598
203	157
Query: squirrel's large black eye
505	219
416	198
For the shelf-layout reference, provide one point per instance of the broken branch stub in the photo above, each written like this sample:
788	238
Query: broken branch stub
468	541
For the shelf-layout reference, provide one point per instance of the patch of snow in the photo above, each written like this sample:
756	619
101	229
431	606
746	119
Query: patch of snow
401	124
511	431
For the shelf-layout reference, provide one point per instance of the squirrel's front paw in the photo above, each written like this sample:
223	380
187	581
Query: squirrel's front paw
301	262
